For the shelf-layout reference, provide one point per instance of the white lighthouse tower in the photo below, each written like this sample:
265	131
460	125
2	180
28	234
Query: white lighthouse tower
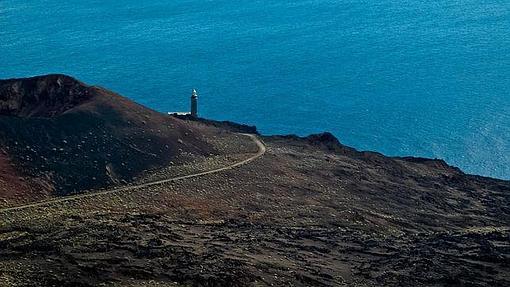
194	104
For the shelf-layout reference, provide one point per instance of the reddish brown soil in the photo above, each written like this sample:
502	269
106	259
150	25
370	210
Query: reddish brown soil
10	183
86	137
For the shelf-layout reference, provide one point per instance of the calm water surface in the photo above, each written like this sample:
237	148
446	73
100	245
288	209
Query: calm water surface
423	78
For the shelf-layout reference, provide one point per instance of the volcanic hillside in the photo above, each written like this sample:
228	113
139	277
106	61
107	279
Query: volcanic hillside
59	135
306	212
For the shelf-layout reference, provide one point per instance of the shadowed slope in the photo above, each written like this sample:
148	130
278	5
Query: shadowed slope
64	135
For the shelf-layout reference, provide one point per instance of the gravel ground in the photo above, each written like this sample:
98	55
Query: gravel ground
308	213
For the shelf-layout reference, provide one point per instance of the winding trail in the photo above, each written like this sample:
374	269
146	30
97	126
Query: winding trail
261	151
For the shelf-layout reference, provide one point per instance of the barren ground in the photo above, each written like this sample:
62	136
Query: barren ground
304	214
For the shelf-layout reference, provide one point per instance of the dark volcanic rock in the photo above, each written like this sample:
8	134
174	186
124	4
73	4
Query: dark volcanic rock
437	163
325	141
325	138
328	141
226	125
79	137
309	212
45	96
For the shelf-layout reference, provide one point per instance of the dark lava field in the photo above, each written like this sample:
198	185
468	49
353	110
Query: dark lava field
308	212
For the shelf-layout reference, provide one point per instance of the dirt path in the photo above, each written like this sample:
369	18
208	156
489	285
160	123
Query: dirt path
260	152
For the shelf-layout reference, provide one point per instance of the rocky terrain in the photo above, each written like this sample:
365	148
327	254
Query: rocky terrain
61	136
309	212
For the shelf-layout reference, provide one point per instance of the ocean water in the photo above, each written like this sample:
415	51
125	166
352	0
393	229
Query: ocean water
402	77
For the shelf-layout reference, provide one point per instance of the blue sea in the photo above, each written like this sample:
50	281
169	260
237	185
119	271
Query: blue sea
402	77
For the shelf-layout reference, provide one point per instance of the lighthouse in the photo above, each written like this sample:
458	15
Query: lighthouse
194	104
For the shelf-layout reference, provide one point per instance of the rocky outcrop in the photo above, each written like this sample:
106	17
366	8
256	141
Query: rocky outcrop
226	125
44	96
